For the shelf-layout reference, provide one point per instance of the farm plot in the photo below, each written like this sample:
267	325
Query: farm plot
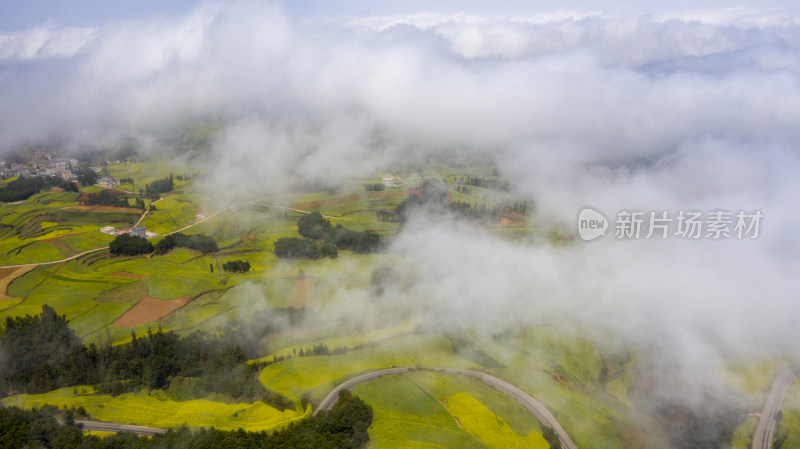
566	389
7	275
148	310
171	214
487	427
158	409
407	416
319	374
69	289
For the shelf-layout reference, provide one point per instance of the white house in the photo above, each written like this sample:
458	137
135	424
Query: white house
138	231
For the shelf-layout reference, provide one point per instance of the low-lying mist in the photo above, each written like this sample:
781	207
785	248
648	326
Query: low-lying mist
647	113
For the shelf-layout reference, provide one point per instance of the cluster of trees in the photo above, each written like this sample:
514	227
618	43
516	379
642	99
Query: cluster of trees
379	187
489	183
363	242
433	195
126	180
140	204
86	176
551	437
315	226
296	248
156	188
105	198
128	245
387	215
23	188
236	266
44	354
343	427
320	349
199	242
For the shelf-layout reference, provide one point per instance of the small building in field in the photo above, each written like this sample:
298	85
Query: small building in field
107	182
138	231
388	182
110	230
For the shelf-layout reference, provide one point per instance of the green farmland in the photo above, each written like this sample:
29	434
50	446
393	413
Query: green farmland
591	389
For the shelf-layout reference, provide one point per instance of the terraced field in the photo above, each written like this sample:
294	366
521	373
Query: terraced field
319	374
158	409
431	410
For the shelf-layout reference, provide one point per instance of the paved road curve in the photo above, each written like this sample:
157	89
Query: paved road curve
534	406
765	430
111	427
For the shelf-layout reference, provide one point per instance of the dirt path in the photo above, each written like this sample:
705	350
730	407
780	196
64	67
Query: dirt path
146	211
234	205
7	275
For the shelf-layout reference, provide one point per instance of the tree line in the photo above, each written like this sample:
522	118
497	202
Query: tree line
129	245
199	242
23	188
236	266
489	183
157	187
104	198
296	248
343	427
315	226
42	354
324	240
434	196
378	187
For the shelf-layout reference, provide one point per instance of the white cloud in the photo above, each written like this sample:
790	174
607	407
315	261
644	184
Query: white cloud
579	109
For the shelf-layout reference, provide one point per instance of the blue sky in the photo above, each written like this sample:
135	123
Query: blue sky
17	15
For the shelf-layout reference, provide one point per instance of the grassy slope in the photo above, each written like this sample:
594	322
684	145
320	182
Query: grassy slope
406	416
424	409
158	409
319	374
789	428
487	427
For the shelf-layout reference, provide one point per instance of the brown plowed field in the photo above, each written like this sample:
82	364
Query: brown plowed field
346	199
150	309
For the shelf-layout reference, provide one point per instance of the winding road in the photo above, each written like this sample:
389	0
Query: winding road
87	426
527	401
765	430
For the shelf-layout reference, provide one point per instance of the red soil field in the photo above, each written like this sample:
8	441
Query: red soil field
150	309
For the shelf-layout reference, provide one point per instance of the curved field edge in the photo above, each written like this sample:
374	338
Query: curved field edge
422	409
158	409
